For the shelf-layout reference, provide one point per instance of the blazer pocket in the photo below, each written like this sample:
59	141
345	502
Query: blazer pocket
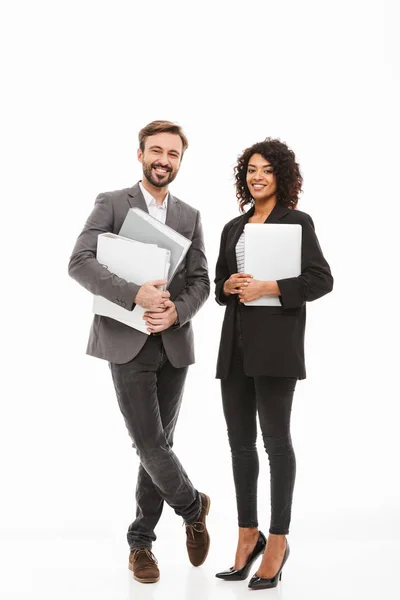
289	312
279	310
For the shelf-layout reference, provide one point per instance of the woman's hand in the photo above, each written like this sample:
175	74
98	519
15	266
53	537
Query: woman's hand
255	289
236	282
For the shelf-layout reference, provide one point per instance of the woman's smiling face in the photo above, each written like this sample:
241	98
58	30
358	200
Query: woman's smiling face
260	178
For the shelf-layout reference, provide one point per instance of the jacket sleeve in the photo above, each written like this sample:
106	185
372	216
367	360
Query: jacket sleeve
315	279
86	270
222	271
197	288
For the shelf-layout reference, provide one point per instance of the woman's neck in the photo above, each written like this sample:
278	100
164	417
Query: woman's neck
263	208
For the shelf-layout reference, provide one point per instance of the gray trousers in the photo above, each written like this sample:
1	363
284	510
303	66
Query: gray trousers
149	392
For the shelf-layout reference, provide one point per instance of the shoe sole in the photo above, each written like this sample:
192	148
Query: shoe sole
208	546
146	580
143	579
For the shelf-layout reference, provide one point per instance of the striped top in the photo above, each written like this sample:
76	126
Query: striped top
240	254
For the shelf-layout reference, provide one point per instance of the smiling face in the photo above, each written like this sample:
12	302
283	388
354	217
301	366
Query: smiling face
260	178
161	158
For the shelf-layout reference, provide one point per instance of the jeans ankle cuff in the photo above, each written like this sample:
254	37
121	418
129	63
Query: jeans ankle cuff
248	524
278	531
198	513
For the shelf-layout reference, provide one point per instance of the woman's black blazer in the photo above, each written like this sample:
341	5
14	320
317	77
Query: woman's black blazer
273	336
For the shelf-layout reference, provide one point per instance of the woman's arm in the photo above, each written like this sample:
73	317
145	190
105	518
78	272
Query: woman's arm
315	279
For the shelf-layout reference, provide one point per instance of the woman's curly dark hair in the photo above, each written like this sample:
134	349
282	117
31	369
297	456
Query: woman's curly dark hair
288	177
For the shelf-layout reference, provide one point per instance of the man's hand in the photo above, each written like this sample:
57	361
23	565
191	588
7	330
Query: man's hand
151	298
236	282
256	288
157	321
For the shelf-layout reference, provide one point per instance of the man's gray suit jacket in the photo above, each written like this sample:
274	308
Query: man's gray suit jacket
111	340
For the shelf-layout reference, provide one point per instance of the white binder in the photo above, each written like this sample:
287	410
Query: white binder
272	251
141	226
134	261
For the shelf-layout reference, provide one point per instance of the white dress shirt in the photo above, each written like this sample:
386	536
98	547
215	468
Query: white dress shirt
158	211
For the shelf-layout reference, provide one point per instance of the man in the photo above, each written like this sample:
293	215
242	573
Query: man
149	372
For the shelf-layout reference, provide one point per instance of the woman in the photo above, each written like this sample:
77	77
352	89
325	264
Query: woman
261	353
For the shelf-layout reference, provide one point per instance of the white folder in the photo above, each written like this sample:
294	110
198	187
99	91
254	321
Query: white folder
272	251
134	261
141	226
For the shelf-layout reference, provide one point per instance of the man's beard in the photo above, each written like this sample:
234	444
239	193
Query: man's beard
156	180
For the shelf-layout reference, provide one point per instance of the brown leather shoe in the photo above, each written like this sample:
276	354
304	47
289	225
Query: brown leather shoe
197	538
143	563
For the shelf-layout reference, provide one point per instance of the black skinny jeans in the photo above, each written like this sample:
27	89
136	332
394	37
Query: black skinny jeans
271	397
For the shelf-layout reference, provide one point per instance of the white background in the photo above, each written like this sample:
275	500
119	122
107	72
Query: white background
80	79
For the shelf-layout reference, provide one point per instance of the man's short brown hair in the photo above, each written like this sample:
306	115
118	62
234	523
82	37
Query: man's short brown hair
162	127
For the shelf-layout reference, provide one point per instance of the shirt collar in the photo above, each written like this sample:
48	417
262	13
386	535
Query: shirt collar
150	201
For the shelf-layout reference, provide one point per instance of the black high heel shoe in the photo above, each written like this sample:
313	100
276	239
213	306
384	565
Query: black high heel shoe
263	583
240	574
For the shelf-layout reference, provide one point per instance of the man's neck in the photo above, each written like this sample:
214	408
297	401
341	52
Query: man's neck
159	194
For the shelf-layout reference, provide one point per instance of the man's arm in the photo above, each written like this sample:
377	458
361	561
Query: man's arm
86	270
197	289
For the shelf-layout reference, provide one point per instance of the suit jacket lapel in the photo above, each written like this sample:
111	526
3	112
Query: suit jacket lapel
233	239
136	198
277	213
173	213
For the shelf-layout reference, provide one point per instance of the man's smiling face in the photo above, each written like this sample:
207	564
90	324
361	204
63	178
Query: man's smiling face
161	158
